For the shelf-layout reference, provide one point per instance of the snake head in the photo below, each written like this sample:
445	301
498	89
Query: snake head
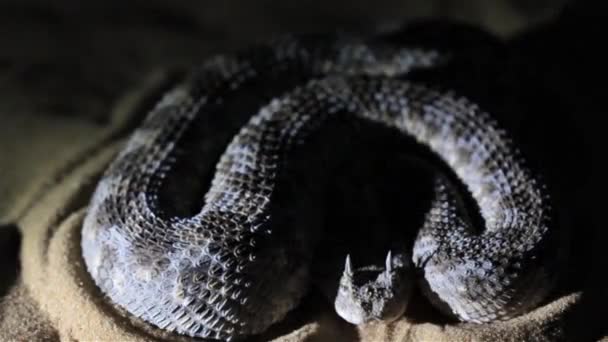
374	293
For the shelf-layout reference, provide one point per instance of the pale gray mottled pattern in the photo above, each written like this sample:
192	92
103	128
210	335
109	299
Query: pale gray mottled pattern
230	270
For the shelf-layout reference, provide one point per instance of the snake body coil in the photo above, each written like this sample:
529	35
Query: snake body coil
231	270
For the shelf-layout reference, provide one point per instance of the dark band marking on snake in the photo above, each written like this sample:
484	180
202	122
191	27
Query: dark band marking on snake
229	271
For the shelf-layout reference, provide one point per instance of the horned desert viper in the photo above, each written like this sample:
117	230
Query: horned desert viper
237	266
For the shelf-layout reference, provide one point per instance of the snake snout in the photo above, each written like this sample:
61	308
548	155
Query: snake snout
373	293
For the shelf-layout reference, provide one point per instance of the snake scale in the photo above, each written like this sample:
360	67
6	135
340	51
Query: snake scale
233	269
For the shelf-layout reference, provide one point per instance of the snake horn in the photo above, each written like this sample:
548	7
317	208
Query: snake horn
348	266
389	262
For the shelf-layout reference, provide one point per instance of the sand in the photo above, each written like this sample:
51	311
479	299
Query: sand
56	161
54	277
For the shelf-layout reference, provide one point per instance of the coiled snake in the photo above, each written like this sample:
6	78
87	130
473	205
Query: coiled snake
233	269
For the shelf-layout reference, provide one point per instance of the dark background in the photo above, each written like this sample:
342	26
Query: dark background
545	79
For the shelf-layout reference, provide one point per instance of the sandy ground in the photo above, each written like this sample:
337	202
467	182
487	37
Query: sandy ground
72	80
